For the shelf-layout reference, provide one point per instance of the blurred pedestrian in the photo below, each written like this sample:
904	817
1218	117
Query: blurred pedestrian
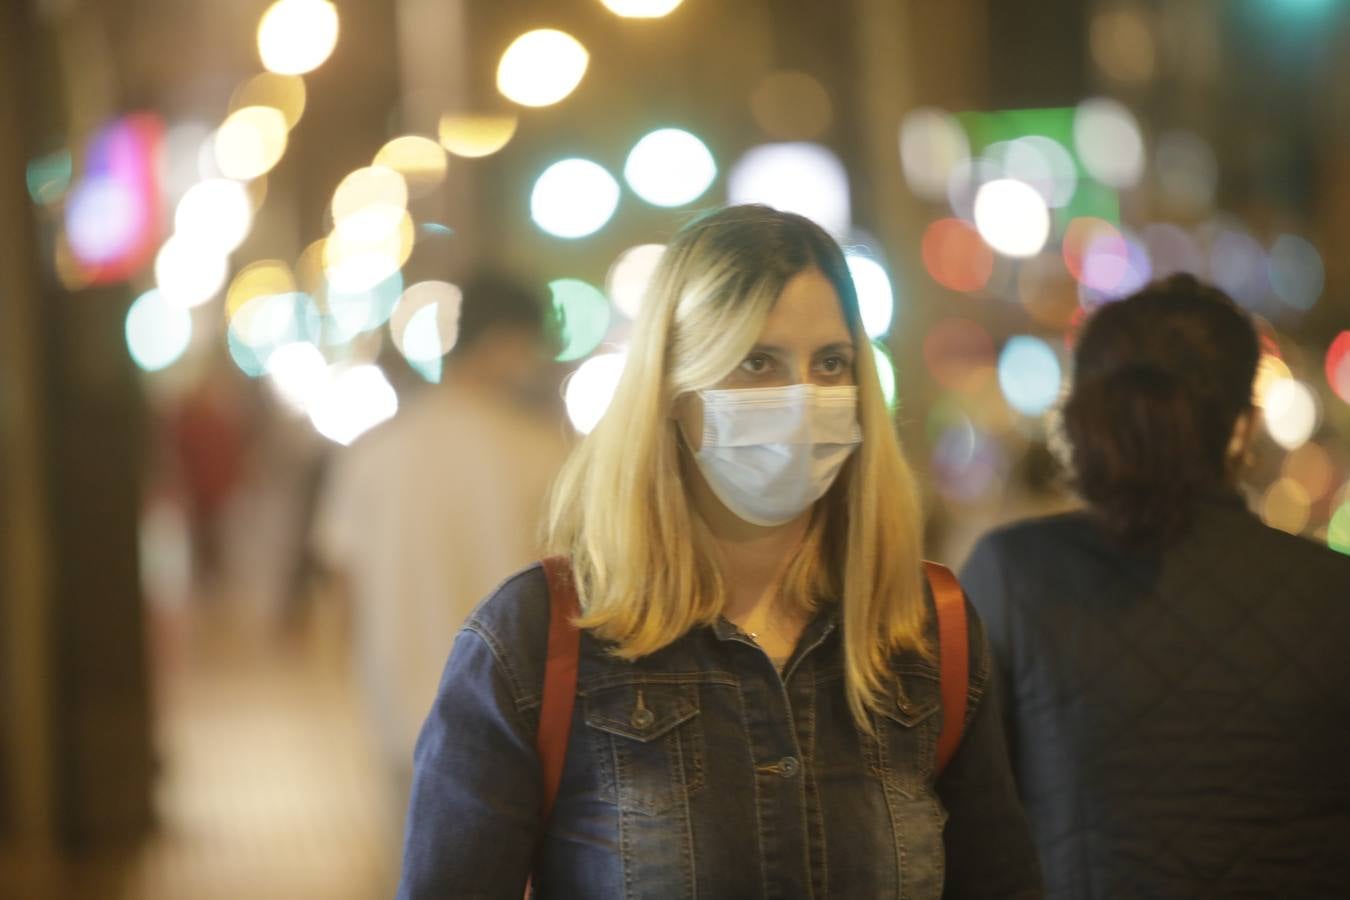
420	517
759	697
1177	700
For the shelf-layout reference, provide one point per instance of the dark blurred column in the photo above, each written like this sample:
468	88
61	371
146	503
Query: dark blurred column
78	464
26	814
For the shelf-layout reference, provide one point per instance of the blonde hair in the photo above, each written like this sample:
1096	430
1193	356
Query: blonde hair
645	564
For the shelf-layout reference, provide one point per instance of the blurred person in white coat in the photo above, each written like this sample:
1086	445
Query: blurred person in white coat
419	518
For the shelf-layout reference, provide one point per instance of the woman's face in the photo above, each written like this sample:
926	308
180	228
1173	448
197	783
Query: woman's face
805	340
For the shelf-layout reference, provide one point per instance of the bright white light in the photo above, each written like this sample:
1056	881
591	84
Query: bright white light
250	142
1012	217
932	143
352	402
1290	413
630	275
1107	137
885	373
876	299
573	198
797	177
298	372
375	191
591	388
189	272
541	67
641	9
425	322
1029	374
296	36
669	167
101	219
158	331
1044	164
215	212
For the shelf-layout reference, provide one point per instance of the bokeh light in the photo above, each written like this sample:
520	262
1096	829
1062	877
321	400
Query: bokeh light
1113	266
420	160
102	220
1312	467
932	144
573	198
1296	272
881	358
1012	217
190	273
425	322
1171	250
372	199
791	106
1237	263
669	167
364	250
351	402
1286	505
591	388
1047	291
541	67
1107	138
876	298
158	331
351	312
1338	530
583	314
297	36
250	142
1043	163
967	462
1029	374
955	255
641	9
261	278
48	176
216	213
1122	45
268	322
1187	172
959	353
628	278
297	372
1290	412
476	136
798	177
1338	365
284	93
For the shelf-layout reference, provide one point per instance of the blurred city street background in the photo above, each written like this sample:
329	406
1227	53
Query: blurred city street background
234	242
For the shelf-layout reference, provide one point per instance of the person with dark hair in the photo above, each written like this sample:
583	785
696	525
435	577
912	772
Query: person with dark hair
1176	697
420	517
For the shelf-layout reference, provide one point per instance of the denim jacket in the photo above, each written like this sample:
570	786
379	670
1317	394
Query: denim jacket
700	771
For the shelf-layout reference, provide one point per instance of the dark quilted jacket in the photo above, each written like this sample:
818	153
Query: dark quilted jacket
1179	725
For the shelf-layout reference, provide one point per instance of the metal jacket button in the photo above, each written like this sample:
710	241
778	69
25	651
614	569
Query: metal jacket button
642	718
788	766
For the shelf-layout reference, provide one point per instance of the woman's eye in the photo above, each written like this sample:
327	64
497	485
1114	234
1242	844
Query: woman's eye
834	365
756	364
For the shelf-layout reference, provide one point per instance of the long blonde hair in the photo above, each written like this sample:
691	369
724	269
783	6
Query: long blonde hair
644	561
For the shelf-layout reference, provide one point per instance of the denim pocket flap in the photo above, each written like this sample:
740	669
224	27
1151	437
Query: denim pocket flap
909	711
641	712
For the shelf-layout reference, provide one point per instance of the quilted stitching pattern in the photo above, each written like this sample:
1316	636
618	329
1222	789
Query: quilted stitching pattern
1182	725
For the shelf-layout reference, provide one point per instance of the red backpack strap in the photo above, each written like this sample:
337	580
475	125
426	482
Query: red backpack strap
560	676
953	655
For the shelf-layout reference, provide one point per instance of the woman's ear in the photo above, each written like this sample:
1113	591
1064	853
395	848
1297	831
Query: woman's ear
1241	441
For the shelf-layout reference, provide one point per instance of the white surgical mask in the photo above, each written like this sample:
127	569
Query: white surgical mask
769	453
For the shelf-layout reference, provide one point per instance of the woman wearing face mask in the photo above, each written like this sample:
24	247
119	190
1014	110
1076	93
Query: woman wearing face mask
758	695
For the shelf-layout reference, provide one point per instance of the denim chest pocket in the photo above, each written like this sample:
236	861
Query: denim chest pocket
907	731
649	742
